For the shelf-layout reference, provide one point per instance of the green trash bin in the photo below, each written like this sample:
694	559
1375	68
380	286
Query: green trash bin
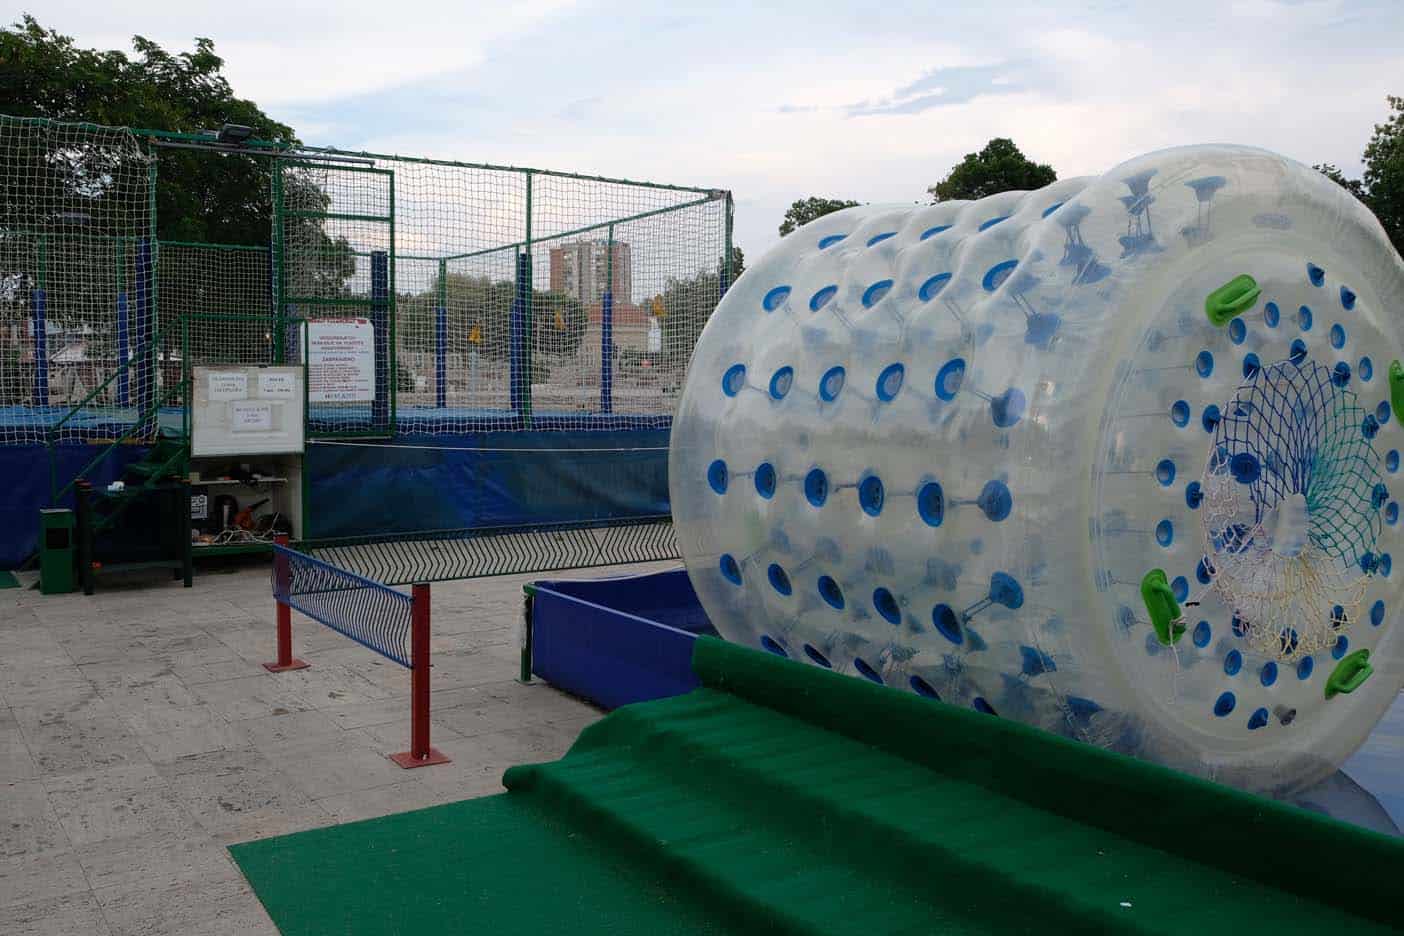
56	548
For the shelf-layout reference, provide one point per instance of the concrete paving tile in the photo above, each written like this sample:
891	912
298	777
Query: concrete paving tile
309	729
161	692
28	820
144	718
84	649
341	767
15	762
80	700
127	814
78	744
233	668
71	915
251	697
167	910
366	714
20	685
116	675
383	801
159	857
241	799
216	735
40	876
225	762
325	683
67	791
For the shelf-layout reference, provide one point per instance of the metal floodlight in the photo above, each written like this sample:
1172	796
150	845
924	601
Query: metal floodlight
234	134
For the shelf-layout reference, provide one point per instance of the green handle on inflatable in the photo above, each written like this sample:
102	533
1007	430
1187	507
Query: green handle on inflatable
1162	607
1396	389
1348	675
1232	299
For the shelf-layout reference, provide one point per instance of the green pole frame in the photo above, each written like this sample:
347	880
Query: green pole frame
527	311
279	312
730	216
390	286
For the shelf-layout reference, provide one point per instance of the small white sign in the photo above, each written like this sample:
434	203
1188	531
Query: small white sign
250	417
228	385
276	384
341	361
655	336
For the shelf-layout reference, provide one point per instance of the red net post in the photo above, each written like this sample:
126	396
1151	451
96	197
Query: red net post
282	577
421	752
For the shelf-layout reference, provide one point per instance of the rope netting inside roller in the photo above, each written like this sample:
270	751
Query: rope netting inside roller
1291	509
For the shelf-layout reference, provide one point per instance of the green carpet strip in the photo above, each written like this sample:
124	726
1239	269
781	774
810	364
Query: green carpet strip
8	580
780	798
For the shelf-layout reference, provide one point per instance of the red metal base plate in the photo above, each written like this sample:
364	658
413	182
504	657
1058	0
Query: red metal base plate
407	760
295	664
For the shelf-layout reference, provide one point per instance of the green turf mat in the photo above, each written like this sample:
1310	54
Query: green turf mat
8	580
780	798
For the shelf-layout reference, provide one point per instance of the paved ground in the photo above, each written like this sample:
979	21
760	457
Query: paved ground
139	735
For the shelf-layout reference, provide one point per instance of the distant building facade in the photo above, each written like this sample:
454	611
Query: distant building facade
582	269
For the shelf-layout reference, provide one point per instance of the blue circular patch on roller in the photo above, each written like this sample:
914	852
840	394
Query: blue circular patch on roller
1366	368
779	580
781	381
889	382
1202	634
980	705
1180	413
1392	513
886	605
1251	365
1204	364
771	644
822	297
1194	495
816	487
1338	617
734	379
1304	318
1379	495
831	240
875	292
1298	352
1203	572
1237	331
946	623
997	274
1165	472
1258	719
867	671
1338	336
1006	590
1382	412
817	657
923	688
1288	639
1179	587
1211	417
730	570
1245	467
765	480
1165	533
932	288
1008	408
717	476
1347	298
831	384
1369	426
775	298
1268	674
1392	460
995	500
992	222
1271	315
1340	375
870	495
931	503
1341	646
1315	274
949	378
1233	662
1386	563
933	231
831	593
1377	613
1224	704
879	238
1305	667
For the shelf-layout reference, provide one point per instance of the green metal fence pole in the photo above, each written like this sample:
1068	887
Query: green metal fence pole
390	288
527	309
279	312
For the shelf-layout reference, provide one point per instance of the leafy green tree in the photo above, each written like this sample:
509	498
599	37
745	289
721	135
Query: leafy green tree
1382	187
999	167
805	210
738	263
480	309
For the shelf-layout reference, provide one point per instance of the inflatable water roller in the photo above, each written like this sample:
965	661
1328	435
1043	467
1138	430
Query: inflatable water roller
1117	458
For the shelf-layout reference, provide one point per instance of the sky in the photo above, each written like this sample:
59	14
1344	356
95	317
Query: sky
871	101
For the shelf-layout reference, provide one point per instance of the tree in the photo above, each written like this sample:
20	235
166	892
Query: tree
805	210
1382	187
738	263
999	167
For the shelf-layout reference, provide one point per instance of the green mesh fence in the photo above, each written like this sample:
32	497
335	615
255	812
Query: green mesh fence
75	231
499	298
